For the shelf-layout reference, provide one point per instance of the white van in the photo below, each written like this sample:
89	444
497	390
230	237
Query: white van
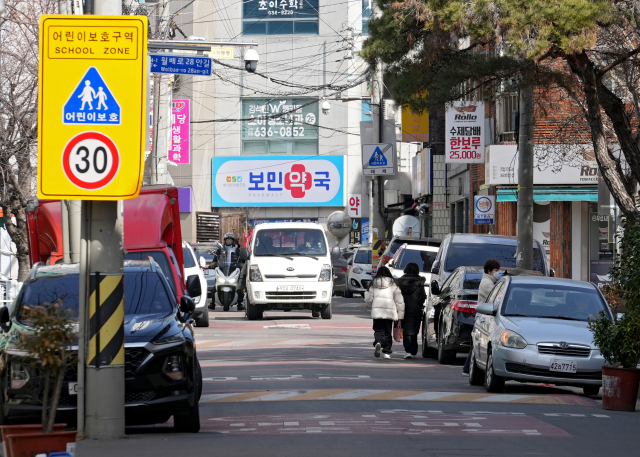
289	267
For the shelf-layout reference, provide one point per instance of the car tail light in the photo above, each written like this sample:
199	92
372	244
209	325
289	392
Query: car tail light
464	306
385	259
173	367
343	268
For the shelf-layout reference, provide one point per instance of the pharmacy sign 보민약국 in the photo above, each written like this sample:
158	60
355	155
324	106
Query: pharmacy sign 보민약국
91	119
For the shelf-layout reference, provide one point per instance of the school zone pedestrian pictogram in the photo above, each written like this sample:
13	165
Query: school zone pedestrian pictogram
92	102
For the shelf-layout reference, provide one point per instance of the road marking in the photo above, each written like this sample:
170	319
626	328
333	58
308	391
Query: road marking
344	377
280	395
602	416
272	327
277	378
354	394
219	379
390	395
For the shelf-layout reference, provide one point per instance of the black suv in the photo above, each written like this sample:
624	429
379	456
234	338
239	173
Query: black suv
158	338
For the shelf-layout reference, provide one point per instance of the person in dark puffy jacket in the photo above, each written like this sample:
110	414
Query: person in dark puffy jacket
412	287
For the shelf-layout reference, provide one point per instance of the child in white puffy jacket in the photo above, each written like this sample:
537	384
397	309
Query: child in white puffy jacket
387	306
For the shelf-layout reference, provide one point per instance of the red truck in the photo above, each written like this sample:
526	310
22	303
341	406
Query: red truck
151	228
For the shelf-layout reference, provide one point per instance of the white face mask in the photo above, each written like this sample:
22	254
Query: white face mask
496	274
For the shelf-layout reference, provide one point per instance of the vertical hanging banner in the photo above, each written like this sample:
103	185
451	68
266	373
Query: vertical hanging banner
464	126
180	151
415	127
354	208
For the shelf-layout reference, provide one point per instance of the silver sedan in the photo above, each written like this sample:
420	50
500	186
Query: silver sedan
535	329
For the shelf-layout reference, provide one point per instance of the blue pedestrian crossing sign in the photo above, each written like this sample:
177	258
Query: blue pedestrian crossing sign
379	159
92	102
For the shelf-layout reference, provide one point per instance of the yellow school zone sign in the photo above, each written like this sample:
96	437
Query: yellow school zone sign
92	106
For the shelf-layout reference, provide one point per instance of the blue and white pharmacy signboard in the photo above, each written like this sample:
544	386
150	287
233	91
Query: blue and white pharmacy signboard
180	64
92	102
278	181
484	209
378	159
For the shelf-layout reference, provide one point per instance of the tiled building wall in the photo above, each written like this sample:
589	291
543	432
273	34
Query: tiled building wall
440	221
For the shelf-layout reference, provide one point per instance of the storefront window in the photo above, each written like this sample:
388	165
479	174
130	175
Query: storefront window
280	126
280	17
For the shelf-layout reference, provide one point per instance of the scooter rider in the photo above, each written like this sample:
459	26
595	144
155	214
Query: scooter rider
232	246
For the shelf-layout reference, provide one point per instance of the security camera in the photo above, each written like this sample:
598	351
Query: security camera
326	107
251	58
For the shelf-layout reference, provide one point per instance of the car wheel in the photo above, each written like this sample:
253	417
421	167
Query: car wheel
348	293
591	390
198	377
326	312
189	421
261	314
427	352
203	320
476	377
315	313
225	308
252	312
444	357
492	382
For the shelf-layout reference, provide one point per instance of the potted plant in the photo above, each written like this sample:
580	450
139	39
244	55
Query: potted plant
48	346
619	339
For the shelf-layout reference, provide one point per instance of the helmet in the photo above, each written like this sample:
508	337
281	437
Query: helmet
227	236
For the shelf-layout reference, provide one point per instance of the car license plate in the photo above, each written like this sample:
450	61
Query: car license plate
73	388
564	366
206	272
289	288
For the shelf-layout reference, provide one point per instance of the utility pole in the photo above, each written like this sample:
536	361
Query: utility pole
100	252
524	253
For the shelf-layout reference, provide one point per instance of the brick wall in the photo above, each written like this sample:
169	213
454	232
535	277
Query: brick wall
506	216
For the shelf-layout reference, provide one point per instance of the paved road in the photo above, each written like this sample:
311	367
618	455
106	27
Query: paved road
293	385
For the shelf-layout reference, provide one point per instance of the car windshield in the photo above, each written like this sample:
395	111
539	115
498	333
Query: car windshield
160	258
45	290
424	259
472	281
364	257
286	242
469	254
188	258
144	293
553	302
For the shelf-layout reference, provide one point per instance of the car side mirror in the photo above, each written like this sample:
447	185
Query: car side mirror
552	272
435	288
243	254
202	262
335	252
435	268
187	304
5	319
487	309
194	288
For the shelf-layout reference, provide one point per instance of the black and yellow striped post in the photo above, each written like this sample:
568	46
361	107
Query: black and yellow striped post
106	320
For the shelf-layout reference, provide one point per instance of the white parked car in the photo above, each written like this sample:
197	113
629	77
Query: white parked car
421	255
359	271
192	267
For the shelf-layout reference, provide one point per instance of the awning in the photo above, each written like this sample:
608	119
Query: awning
558	194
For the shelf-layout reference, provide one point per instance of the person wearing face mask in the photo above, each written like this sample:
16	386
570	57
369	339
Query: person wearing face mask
489	278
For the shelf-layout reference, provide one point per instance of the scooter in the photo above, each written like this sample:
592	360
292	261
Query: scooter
226	286
228	278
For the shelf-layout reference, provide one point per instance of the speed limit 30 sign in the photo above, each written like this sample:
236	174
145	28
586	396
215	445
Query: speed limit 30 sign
91	160
92	122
